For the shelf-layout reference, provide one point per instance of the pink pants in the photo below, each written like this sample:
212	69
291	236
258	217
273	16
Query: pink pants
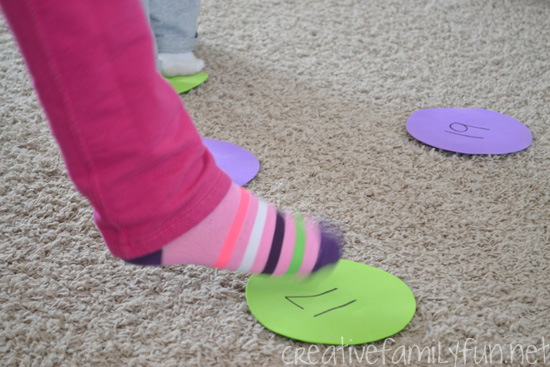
128	143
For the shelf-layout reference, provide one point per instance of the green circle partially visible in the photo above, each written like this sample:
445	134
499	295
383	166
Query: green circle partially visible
184	84
353	304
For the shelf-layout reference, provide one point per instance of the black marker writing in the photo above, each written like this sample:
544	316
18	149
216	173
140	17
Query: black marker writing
335	308
316	295
288	298
459	128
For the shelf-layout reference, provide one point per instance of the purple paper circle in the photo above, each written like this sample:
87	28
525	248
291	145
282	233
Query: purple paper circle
469	130
241	165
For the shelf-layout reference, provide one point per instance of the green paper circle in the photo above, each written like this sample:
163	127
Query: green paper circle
184	84
352	304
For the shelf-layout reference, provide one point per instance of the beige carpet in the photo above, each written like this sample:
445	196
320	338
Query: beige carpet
320	91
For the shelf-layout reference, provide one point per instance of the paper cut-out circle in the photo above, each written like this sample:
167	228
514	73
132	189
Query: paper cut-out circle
354	304
184	84
469	130
241	165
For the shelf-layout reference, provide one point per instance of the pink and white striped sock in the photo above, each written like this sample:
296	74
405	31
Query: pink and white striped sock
247	234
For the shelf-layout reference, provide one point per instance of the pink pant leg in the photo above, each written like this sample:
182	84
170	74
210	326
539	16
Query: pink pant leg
128	143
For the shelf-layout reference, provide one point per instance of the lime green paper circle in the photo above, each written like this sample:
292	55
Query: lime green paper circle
353	304
184	84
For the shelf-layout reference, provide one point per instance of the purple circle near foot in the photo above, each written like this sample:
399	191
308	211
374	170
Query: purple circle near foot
241	165
469	130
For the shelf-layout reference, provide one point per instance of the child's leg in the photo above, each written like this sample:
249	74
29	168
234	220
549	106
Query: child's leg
174	24
129	145
132	150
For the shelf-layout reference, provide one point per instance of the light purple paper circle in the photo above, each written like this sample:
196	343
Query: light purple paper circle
241	165
469	130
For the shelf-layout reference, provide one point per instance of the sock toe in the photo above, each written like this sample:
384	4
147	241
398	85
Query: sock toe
180	64
330	249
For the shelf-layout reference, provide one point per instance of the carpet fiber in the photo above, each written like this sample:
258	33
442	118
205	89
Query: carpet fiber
320	91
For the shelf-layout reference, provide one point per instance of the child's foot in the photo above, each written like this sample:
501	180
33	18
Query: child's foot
180	64
247	234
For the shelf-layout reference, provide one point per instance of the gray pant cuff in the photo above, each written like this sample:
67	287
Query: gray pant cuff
175	45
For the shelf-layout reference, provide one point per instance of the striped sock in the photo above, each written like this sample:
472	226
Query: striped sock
247	234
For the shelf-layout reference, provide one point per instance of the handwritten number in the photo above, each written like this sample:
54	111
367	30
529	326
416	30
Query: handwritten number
459	128
288	298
